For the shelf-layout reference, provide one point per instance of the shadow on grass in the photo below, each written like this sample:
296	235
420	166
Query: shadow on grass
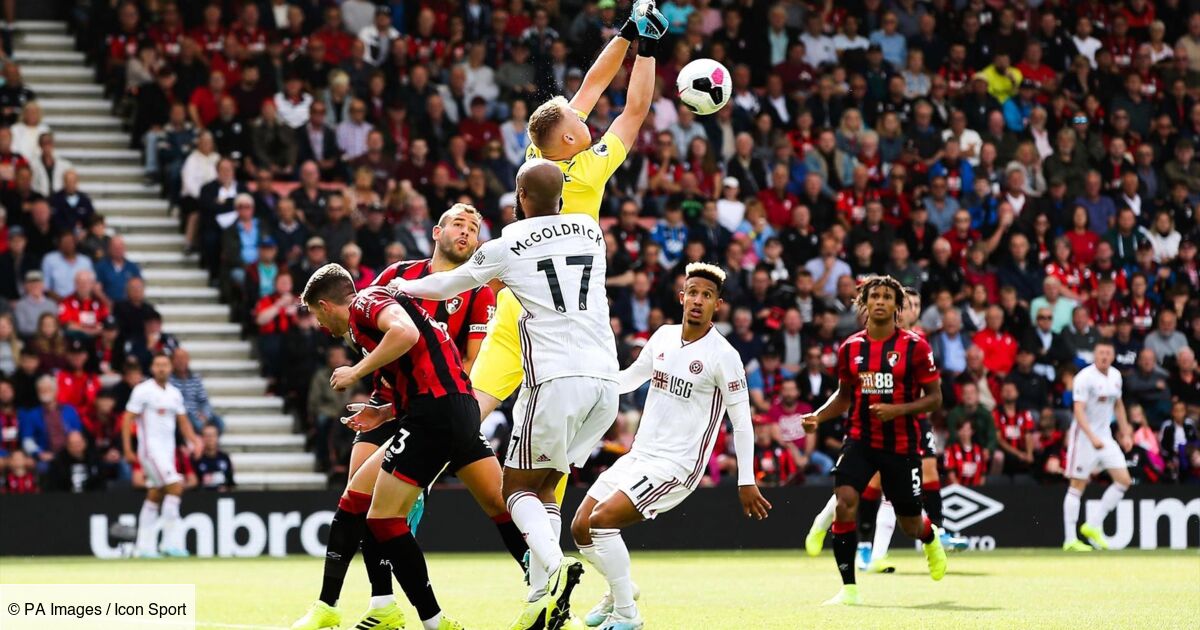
947	606
949	573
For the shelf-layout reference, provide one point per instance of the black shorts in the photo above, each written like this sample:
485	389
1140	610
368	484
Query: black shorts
379	435
436	434
928	445
900	475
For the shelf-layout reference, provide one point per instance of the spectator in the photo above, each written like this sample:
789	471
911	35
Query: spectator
999	346
114	271
273	315
77	387
48	169
195	397
28	310
75	468
44	428
965	461
785	415
318	142
214	468
152	341
273	143
970	410
1165	341
21	477
325	405
82	312
61	268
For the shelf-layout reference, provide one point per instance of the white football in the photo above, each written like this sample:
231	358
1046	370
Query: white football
705	86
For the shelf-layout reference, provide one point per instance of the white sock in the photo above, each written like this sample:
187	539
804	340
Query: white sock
1108	502
532	519
885	525
591	555
555	514
432	623
1071	514
172	532
379	601
825	516
614	557
147	529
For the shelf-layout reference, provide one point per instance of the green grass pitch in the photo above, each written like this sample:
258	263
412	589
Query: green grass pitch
712	590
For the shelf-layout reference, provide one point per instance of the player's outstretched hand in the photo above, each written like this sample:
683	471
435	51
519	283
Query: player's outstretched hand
650	22
342	378
885	411
754	504
809	422
396	287
365	416
1097	443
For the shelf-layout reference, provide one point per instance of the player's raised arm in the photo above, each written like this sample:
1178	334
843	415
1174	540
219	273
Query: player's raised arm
606	66
487	263
399	335
641	81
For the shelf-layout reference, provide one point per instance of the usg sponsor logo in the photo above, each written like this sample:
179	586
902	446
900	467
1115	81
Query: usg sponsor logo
963	507
229	534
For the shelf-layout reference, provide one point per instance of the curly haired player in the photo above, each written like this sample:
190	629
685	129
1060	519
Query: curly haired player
887	378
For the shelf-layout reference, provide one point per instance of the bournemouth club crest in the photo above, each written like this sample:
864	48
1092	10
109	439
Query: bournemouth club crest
893	358
453	304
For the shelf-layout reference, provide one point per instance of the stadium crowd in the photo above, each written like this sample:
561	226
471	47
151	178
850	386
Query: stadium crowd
1029	166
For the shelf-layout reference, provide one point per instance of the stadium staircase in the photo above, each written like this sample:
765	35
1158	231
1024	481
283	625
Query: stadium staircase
260	438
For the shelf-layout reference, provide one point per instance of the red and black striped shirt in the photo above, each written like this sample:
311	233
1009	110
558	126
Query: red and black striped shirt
969	463
1013	428
432	367
888	371
465	315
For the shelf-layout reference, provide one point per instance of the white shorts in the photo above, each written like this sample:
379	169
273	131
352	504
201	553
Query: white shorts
652	486
158	466
557	423
1084	460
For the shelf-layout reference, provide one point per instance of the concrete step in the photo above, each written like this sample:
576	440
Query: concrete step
183	277
87	120
161	259
280	480
115	174
123	157
272	462
203	295
235	386
193	312
25	27
97	139
115	191
159	249
128	206
247	405
256	423
263	442
51	89
73	108
224	367
200	330
132	223
218	349
45	41
29	58
58	74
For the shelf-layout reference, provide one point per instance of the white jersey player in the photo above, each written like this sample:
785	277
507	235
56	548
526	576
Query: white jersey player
554	264
695	377
1092	448
157	408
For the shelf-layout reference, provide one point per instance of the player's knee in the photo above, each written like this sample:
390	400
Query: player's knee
581	528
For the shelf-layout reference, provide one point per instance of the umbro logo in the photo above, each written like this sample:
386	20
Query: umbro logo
963	507
542	458
858	360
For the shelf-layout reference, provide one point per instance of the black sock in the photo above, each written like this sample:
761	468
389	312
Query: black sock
931	498
345	533
844	544
514	540
408	563
868	510
379	570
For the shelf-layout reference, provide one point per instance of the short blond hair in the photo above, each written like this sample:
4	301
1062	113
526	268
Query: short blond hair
331	283
457	209
545	119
